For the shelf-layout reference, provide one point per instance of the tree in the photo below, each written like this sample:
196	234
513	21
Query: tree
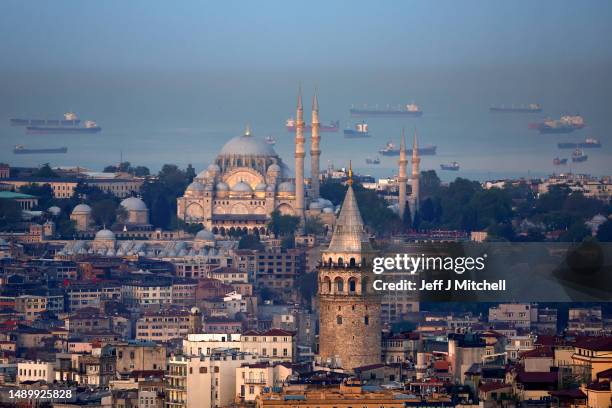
333	191
250	241
604	232
104	212
65	228
190	173
45	171
43	192
282	225
161	212
407	218
575	233
429	183
10	214
314	226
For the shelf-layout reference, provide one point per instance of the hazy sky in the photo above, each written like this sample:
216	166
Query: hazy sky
135	35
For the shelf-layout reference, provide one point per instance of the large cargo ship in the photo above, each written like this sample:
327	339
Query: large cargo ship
411	109
360	131
90	127
578	156
531	108
70	119
560	162
391	149
588	143
333	126
454	166
370	160
565	124
20	149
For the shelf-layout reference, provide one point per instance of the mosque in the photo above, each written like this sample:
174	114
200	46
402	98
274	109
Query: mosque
248	181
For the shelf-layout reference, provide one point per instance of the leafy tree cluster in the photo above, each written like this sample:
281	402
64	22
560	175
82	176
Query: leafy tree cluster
45	171
10	214
160	195
126	167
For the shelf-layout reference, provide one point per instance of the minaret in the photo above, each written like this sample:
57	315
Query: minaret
299	158
416	159
402	179
315	151
349	307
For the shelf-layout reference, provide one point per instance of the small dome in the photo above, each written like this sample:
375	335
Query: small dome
328	210
214	169
208	187
242	187
54	210
205	235
286	187
599	219
195	310
134	204
82	209
271	188
195	186
315	205
222	186
274	168
105	234
260	187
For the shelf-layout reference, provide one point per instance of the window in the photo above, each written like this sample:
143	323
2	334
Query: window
339	319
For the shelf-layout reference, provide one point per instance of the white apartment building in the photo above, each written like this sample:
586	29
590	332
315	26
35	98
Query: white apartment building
35	371
251	379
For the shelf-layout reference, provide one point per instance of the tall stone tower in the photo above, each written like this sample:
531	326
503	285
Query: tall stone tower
402	179
299	158
315	150
416	160
349	315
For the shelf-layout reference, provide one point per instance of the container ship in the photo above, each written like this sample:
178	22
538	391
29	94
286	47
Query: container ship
90	127
560	162
411	109
20	149
70	119
360	131
531	108
333	126
391	149
565	124
375	160
588	143
454	166
578	156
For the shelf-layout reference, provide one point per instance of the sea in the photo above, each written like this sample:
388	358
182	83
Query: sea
153	117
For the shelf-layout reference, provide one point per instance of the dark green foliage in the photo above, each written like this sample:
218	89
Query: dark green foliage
45	171
604	233
104	212
250	241
126	167
282	225
43	192
313	225
10	214
160	195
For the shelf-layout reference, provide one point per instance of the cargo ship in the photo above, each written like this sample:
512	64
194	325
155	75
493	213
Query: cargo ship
391	149
565	124
560	162
588	143
90	127
454	166
20	149
531	108
370	160
331	127
411	109
578	156
70	119
360	131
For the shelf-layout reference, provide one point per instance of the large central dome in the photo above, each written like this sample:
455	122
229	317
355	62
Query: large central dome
247	145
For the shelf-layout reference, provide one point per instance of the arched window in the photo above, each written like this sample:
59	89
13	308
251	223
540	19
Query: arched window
339	319
366	320
339	283
352	285
327	285
352	262
340	261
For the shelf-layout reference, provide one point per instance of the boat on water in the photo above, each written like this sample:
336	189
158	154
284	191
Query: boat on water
69	119
530	108
411	109
391	149
579	156
270	140
375	160
20	149
565	124
454	166
360	131
90	127
588	143
333	126
560	162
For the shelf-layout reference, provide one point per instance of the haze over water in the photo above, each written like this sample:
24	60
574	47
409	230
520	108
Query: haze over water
173	84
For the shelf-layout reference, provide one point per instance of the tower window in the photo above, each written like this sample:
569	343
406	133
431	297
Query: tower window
339	319
366	320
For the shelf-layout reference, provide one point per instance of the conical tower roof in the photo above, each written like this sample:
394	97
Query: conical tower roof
349	234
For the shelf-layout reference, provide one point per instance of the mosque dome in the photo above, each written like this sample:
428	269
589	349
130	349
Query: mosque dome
315	205
105	234
328	210
202	175
214	168
134	204
274	168
247	145
82	209
242	187
270	188
222	186
54	210
260	187
286	187
195	186
205	235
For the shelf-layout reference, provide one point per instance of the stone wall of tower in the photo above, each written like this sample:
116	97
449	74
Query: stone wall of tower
349	318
